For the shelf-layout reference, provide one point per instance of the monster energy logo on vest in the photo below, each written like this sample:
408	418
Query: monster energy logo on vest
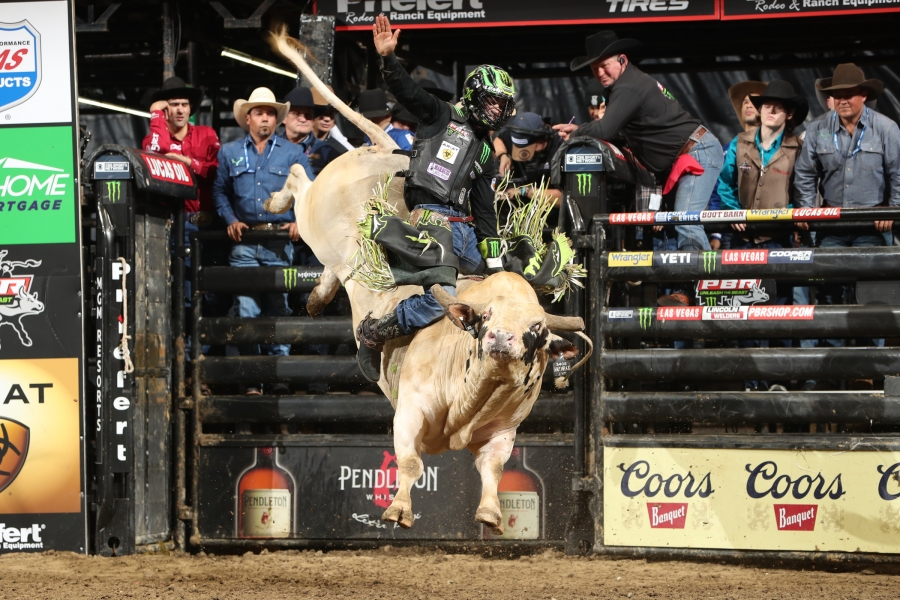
584	183
709	262
646	316
290	278
446	164
114	191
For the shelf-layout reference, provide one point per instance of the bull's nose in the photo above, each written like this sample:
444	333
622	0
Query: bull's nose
500	341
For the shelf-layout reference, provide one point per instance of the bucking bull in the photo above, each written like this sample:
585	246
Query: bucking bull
466	381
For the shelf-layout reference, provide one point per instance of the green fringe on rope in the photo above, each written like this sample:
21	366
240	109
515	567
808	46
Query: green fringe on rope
369	265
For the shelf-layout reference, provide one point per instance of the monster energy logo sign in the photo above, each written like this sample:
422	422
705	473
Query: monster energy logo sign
712	300
645	315
709	262
494	248
290	278
485	152
114	191
584	183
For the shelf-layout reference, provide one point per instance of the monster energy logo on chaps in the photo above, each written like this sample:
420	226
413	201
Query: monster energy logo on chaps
709	262
114	191
290	278
584	183
646	316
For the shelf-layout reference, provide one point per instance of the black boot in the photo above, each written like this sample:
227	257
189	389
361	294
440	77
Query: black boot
372	334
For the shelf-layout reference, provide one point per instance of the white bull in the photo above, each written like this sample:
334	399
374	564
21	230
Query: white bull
450	390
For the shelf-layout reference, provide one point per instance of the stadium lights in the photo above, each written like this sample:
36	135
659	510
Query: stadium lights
256	62
114	107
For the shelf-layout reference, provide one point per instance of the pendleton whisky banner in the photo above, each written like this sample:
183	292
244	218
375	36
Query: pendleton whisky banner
752	499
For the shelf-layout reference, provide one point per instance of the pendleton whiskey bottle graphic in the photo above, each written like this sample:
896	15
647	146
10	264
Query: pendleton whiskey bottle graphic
265	498
521	495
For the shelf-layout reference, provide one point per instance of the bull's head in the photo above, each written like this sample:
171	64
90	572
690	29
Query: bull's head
509	331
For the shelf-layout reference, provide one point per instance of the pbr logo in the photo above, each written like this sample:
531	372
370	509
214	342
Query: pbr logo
16	300
14	438
20	63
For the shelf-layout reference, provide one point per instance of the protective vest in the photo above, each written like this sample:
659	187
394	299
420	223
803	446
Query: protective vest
447	165
769	186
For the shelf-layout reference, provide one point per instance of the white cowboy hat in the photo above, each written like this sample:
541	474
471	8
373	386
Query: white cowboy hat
260	97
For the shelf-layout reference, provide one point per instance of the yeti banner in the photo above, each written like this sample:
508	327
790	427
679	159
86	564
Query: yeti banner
41	331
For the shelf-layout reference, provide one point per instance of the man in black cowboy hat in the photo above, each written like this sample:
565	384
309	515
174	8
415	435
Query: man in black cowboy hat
298	123
172	134
657	129
373	105
852	155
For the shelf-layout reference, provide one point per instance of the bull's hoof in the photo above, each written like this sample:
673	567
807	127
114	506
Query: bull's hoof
490	517
401	515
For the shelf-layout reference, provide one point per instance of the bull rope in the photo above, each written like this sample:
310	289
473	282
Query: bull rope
123	343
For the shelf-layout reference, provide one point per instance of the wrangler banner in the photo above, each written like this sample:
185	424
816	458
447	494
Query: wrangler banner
752	499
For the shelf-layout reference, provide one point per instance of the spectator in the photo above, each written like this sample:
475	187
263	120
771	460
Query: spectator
330	142
851	156
661	134
596	100
298	123
403	119
373	105
526	145
255	167
740	95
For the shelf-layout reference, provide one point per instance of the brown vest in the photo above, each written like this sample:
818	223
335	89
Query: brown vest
769	187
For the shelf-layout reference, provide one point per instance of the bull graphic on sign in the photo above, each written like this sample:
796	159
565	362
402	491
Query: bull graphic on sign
16	299
754	295
20	63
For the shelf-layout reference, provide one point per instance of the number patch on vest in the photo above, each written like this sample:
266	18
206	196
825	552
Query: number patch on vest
436	170
448	152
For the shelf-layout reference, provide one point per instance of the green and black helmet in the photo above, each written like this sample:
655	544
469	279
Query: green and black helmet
486	82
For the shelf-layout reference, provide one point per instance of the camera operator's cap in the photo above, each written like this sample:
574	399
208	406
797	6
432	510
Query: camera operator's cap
602	44
373	103
594	93
259	97
525	131
300	97
175	87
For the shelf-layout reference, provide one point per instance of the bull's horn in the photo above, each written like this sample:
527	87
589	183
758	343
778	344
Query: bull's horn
445	299
565	323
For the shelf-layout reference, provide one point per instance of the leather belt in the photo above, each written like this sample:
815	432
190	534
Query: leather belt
267	227
201	218
416	215
692	141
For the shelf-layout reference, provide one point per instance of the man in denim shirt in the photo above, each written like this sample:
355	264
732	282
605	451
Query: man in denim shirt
852	156
251	169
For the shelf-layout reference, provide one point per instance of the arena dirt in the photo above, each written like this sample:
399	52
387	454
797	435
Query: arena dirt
408	573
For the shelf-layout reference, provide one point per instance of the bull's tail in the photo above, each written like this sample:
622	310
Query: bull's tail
291	49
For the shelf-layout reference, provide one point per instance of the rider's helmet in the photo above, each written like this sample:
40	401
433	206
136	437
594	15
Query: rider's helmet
483	84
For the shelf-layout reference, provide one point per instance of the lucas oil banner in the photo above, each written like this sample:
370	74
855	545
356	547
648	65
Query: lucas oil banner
752	499
41	330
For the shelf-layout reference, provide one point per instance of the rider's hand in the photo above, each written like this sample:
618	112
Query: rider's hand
385	40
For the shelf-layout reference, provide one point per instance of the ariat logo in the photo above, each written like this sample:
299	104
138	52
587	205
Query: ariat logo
709	261
584	183
290	278
645	315
14	438
114	191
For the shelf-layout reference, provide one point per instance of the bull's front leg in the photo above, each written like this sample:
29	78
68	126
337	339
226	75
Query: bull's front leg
408	431
490	456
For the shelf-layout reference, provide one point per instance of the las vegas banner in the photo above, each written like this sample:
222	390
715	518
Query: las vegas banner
42	482
812	500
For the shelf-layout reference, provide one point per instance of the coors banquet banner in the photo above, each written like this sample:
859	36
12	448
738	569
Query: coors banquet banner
807	500
41	341
411	14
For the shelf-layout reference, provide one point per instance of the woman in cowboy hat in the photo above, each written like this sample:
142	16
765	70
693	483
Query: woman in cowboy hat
758	169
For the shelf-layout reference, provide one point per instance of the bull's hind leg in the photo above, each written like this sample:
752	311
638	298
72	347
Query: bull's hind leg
490	456
408	431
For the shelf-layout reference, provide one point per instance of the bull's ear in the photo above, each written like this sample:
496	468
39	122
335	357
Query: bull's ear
561	347
464	316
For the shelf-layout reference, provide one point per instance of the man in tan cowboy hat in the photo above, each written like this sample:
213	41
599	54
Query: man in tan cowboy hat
251	169
746	112
852	156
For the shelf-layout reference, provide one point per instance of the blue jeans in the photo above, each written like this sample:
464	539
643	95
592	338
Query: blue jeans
422	310
694	191
268	254
835	294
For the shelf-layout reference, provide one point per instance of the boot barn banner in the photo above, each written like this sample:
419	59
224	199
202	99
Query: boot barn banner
42	505
416	14
822	500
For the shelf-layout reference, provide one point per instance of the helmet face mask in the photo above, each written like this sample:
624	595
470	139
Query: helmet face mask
489	96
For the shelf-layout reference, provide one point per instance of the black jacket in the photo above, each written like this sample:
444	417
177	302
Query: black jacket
434	116
653	123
